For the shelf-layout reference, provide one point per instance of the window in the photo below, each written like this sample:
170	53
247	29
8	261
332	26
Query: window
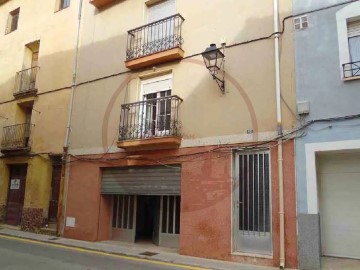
354	48
161	10
170	214
348	30
12	22
301	22
61	4
123	211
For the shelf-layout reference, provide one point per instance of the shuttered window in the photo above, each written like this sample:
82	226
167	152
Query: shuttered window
161	10
353	29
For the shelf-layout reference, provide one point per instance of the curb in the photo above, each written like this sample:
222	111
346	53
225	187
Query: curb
151	260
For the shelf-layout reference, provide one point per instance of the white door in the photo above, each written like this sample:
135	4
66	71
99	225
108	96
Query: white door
339	196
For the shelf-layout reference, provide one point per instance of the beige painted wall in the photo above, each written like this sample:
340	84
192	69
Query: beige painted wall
205	112
56	32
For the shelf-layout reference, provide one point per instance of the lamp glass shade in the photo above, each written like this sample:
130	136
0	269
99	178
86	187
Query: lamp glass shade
212	58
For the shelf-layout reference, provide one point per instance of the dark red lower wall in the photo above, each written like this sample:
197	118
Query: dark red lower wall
205	202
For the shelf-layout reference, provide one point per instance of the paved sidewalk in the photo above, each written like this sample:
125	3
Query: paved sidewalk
162	254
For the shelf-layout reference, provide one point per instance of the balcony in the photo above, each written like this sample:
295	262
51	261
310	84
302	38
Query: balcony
150	124
155	43
351	71
100	3
25	83
16	139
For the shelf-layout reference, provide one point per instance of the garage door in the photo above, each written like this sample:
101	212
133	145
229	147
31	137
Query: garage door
339	194
152	180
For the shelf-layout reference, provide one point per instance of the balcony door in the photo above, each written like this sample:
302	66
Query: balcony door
354	47
156	112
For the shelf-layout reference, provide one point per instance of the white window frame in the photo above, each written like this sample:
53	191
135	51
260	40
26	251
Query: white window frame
142	94
302	22
349	13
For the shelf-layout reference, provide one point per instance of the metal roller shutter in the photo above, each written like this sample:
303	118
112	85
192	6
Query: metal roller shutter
354	29
155	180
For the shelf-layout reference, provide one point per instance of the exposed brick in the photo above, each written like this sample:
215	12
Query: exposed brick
32	219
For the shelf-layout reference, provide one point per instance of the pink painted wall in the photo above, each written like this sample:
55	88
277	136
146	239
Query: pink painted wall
205	204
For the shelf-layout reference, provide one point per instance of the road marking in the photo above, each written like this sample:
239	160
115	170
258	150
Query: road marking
84	250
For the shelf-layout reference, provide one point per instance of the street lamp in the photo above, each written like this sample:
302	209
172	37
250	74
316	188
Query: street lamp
214	62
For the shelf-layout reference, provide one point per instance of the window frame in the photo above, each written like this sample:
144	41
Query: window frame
11	21
143	95
60	5
303	22
345	15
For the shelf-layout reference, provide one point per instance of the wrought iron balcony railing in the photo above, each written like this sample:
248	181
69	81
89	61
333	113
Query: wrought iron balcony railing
351	69
155	37
25	81
158	117
16	137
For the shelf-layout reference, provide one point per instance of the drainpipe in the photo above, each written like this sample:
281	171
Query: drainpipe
280	133
62	205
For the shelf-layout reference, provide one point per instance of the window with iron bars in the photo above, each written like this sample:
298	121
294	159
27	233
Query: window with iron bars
254	192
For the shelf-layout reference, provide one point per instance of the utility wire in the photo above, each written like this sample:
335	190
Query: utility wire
198	54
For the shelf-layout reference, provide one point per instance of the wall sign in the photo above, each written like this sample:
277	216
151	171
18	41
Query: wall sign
15	184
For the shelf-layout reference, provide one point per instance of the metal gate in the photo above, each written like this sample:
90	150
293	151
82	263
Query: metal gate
169	221
124	218
252	203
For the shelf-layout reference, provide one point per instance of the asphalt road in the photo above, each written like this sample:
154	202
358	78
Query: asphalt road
15	254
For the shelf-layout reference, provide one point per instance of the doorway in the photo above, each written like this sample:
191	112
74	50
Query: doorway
16	194
147	219
55	191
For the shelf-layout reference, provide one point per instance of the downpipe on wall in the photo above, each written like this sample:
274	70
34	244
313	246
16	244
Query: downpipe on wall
63	191
280	133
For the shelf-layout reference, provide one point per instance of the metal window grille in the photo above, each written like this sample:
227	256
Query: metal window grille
254	193
123	211
170	206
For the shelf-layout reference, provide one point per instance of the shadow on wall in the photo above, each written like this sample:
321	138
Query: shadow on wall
251	66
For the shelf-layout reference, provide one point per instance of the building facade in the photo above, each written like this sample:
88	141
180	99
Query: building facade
36	47
159	153
327	53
